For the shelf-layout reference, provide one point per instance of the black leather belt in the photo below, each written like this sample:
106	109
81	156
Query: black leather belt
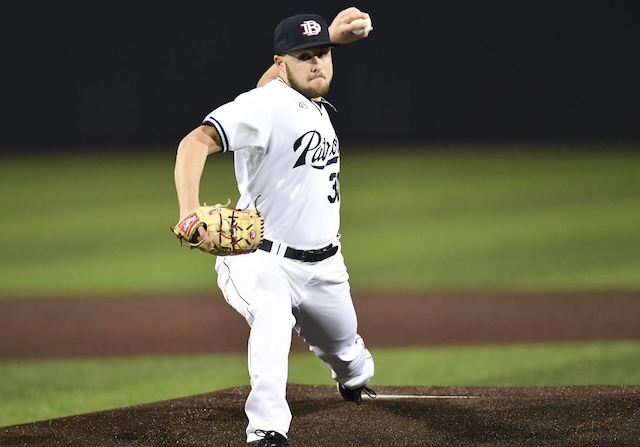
303	255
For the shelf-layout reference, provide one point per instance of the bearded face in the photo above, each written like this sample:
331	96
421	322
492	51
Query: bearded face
309	71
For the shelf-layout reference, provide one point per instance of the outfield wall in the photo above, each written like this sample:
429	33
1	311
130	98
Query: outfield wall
145	73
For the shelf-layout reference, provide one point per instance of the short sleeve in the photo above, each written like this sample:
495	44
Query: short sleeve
244	122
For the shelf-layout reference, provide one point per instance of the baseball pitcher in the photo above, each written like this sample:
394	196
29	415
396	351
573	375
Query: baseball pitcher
279	260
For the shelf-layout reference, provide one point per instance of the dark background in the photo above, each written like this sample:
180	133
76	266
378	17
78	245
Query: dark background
82	73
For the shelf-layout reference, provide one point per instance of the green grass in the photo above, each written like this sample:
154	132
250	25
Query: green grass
92	225
441	219
35	390
495	220
446	219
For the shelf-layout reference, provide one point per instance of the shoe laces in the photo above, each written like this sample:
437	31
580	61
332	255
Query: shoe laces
368	391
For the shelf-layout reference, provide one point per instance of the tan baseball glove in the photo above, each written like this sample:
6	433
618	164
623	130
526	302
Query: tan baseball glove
232	231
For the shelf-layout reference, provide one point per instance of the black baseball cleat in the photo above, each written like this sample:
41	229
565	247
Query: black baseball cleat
355	394
270	438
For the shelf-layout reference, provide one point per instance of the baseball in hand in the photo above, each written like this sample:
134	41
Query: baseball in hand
363	26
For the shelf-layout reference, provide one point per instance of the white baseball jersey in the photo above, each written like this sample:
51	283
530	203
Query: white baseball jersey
287	159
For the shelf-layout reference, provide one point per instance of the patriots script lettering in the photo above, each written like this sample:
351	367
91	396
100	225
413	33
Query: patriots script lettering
315	150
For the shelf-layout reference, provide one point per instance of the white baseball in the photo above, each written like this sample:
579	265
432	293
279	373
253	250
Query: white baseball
363	26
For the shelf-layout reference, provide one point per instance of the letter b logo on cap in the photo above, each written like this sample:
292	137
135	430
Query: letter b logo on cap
310	28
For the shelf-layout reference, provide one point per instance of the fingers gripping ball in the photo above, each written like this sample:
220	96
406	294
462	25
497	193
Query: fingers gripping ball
363	26
232	231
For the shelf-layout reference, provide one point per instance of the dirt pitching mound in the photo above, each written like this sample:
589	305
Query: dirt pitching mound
420	416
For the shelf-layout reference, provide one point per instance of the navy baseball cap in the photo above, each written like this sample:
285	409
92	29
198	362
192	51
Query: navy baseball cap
299	32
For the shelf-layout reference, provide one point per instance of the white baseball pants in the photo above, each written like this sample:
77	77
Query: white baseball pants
276	294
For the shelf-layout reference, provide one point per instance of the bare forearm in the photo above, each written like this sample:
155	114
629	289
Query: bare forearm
190	160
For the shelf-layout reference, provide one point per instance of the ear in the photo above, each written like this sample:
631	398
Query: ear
281	66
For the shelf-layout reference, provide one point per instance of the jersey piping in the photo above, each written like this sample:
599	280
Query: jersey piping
211	121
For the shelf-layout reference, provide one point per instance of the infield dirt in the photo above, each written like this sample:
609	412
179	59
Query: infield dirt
49	328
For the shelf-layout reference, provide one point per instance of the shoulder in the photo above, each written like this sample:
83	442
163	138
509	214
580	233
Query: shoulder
263	98
268	90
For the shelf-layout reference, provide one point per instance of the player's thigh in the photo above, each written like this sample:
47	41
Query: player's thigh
326	317
254	284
